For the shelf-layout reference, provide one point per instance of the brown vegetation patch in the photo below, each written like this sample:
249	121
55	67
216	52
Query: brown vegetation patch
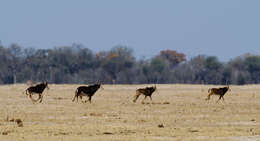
107	133
193	130
58	98
161	126
141	121
11	120
96	114
5	133
62	133
19	122
127	132
112	115
166	102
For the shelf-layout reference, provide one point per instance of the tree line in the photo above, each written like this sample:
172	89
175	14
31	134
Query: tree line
78	64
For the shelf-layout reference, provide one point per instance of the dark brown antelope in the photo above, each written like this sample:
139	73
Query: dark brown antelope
148	91
218	91
88	91
38	89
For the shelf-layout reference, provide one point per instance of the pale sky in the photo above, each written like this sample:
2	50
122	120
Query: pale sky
222	28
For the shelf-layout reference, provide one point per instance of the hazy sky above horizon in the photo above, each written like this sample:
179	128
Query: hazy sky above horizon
222	28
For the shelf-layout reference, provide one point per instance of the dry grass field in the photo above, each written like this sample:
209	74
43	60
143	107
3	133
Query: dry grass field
178	112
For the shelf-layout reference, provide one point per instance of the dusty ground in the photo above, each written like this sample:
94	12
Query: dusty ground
178	112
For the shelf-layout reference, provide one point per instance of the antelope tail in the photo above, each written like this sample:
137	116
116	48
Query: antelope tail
209	90
25	92
76	92
136	96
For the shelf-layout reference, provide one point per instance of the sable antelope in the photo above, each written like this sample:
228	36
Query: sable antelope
148	91
38	89
218	91
88	91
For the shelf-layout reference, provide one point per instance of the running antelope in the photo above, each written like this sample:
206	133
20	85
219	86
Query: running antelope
38	89
148	91
218	91
88	91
